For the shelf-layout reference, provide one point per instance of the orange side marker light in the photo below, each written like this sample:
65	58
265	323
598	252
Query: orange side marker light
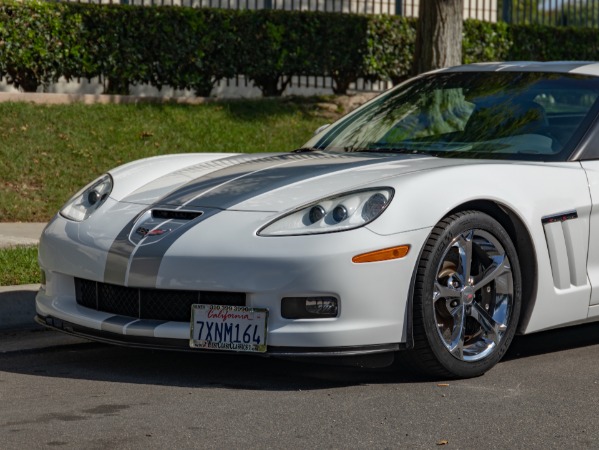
382	255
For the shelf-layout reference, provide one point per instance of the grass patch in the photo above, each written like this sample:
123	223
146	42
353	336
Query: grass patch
19	266
49	152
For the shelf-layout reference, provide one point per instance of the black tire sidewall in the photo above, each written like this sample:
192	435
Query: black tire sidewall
457	225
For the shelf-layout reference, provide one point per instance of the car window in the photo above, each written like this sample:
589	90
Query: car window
502	115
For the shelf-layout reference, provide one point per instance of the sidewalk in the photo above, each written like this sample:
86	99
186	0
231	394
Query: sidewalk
12	234
17	303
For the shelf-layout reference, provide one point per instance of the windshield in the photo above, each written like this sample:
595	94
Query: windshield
498	115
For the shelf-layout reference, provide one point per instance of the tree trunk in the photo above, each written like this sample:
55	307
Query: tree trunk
439	35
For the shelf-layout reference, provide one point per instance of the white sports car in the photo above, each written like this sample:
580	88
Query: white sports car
437	220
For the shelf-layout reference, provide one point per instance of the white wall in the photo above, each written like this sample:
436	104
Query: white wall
223	89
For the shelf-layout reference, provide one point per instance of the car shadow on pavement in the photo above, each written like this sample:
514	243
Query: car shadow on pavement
100	362
553	341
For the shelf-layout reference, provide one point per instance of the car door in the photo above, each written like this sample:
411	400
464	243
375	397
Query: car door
592	171
574	117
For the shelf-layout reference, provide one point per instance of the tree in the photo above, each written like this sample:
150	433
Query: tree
439	34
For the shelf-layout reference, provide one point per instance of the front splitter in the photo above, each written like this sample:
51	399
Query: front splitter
371	356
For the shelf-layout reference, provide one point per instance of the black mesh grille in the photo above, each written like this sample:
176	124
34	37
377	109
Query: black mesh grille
86	294
158	304
118	300
168	305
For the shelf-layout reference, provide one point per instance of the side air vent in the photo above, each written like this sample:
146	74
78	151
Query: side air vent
175	214
564	236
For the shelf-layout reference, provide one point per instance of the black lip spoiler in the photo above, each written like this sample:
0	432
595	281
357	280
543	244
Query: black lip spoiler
371	356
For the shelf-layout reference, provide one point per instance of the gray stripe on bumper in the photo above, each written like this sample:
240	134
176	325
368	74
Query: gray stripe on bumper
115	271
116	324
144	327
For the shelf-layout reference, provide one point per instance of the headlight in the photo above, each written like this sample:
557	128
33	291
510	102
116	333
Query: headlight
88	199
339	213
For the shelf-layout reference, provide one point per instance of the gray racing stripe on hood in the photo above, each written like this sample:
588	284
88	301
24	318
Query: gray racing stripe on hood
131	265
230	186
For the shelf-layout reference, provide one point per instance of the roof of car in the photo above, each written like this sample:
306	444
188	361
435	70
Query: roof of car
576	67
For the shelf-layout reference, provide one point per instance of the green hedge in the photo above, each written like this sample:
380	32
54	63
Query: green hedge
391	42
189	48
39	43
486	41
542	43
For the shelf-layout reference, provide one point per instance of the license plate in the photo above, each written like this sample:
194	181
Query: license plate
235	328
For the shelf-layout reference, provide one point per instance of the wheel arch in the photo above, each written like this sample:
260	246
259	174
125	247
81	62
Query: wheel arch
523	242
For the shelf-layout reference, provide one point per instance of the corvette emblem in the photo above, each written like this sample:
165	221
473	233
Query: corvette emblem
156	232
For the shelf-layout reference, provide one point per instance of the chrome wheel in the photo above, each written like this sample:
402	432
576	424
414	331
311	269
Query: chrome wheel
467	296
473	295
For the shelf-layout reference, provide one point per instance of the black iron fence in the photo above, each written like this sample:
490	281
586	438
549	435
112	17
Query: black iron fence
576	13
475	9
344	6
582	13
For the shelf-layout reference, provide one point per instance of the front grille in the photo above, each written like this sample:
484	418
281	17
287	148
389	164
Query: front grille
157	304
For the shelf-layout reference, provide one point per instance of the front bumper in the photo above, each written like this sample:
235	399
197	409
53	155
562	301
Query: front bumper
373	297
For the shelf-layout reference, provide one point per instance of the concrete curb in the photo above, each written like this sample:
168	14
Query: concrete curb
17	307
346	102
20	233
90	99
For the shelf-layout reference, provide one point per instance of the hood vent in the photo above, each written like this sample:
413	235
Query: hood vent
173	214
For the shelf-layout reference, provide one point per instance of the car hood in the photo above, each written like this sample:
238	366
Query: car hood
275	182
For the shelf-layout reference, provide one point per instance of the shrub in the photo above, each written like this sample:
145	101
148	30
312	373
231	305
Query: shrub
486	41
391	42
545	43
276	45
193	48
39	43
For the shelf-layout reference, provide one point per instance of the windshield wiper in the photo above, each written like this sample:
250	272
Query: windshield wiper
402	150
305	150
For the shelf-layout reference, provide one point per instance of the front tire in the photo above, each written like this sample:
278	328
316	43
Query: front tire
467	296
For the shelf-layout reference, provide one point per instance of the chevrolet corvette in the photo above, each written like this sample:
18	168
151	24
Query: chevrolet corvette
428	226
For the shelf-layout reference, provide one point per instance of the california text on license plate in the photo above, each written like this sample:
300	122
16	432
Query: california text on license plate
237	328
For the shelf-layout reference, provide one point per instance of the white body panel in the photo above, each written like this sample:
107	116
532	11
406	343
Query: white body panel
373	297
522	188
592	170
211	208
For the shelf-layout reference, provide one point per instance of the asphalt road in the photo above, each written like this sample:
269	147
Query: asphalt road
545	394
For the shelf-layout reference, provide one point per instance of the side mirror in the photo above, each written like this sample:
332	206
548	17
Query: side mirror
319	129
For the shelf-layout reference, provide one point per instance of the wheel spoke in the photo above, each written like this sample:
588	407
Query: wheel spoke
473	291
493	329
499	267
444	292
465	248
456	344
481	255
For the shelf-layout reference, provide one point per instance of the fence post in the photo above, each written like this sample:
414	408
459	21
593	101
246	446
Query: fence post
507	11
267	4
399	7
